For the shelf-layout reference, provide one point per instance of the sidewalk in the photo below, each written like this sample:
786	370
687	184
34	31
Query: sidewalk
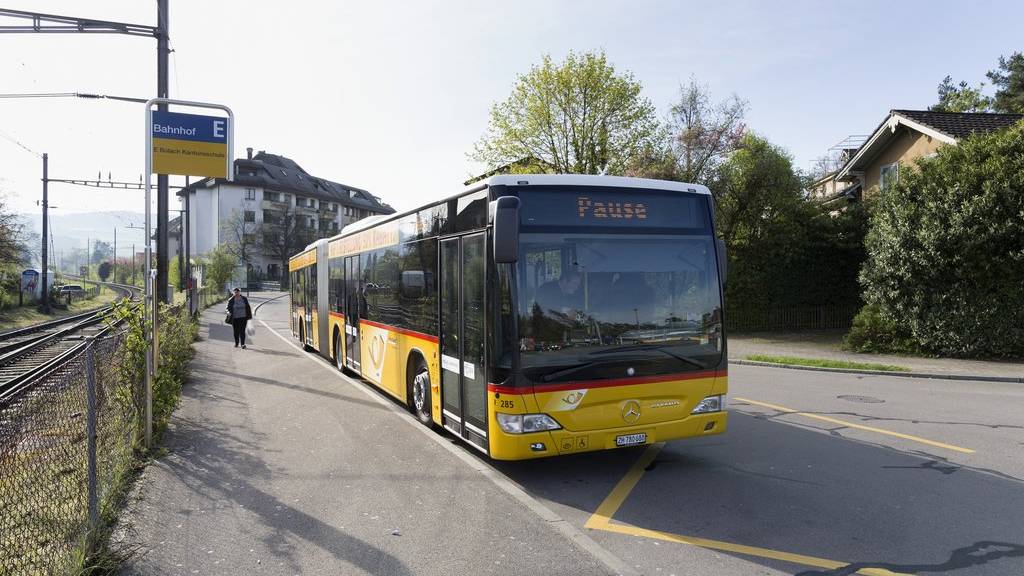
276	465
828	345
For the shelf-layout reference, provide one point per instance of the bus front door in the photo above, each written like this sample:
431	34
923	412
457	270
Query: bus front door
353	293
463	317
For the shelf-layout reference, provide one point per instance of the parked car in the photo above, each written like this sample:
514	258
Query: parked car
71	290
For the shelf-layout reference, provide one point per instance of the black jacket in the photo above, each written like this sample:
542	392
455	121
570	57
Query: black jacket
248	310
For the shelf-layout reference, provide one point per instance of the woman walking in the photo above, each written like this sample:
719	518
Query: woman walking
240	312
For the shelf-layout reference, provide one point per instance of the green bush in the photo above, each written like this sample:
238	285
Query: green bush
177	333
874	332
946	250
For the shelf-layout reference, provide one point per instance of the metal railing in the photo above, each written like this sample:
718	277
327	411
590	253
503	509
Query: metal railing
790	318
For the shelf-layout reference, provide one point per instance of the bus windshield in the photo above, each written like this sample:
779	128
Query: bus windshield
617	304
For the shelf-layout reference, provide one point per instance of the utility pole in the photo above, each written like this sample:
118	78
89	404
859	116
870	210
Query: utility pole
162	200
114	266
133	263
45	294
186	228
88	257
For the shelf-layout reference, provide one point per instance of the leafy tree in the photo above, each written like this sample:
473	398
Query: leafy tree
784	251
961	97
220	268
578	116
1008	79
758	190
103	270
703	133
101	251
946	251
14	249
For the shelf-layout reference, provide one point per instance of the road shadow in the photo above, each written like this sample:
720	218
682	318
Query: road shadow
221	464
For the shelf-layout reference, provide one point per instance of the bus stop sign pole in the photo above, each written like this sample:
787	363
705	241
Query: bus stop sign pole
191	149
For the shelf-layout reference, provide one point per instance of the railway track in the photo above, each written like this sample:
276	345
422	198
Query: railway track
29	353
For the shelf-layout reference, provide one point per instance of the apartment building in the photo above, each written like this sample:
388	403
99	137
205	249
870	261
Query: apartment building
274	208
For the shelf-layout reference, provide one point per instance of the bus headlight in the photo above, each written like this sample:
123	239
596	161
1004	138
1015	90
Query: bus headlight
526	423
710	404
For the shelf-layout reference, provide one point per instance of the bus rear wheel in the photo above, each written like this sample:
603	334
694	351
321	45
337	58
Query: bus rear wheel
338	360
421	402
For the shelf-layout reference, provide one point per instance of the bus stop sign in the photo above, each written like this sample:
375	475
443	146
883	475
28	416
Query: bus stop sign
190	144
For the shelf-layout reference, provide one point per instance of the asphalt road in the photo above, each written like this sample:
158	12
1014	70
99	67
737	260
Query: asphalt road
277	465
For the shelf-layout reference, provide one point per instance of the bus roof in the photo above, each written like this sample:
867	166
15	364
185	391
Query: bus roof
593	180
524	180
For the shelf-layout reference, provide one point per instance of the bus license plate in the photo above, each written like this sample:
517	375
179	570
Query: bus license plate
631	439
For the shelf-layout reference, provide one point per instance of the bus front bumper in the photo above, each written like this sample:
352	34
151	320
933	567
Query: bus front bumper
559	442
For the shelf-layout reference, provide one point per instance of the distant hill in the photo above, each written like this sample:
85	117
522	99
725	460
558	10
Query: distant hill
71	231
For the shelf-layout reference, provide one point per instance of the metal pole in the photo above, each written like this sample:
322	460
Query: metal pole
114	267
149	328
45	294
90	431
88	256
188	256
162	51
181	250
133	263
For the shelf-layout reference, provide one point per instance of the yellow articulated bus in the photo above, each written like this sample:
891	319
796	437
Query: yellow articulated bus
531	315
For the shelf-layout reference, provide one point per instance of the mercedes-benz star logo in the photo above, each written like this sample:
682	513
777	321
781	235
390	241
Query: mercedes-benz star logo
631	411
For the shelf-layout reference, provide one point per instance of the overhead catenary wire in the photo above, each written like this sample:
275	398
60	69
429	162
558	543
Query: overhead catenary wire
17	143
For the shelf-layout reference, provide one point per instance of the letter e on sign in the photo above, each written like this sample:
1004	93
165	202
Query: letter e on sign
218	128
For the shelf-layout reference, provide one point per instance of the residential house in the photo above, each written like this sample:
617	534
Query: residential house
903	137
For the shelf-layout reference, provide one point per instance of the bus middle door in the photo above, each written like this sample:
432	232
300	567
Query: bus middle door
463	316
353	295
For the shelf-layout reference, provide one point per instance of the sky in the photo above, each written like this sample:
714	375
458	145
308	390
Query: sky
391	96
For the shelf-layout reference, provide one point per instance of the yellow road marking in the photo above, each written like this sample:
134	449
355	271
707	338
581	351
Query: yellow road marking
858	426
601	519
740	549
618	495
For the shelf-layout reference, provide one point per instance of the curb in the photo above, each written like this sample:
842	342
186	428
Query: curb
883	372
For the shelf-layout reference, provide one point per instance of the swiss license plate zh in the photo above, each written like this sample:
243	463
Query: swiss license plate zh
631	439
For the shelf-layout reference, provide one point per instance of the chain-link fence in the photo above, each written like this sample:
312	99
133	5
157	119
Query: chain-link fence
64	443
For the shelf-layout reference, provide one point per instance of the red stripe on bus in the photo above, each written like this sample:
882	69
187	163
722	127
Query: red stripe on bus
587	384
405	331
337	314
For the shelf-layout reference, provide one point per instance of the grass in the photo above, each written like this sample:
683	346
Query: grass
19	317
826	363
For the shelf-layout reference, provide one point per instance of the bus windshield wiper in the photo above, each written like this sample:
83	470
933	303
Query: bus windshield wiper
658	347
583	366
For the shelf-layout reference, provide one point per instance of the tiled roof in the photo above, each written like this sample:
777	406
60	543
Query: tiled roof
961	124
281	174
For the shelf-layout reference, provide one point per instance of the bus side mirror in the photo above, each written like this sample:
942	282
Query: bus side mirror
506	230
723	261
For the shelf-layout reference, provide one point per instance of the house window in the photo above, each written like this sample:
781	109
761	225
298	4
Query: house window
250	193
890	174
250	216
